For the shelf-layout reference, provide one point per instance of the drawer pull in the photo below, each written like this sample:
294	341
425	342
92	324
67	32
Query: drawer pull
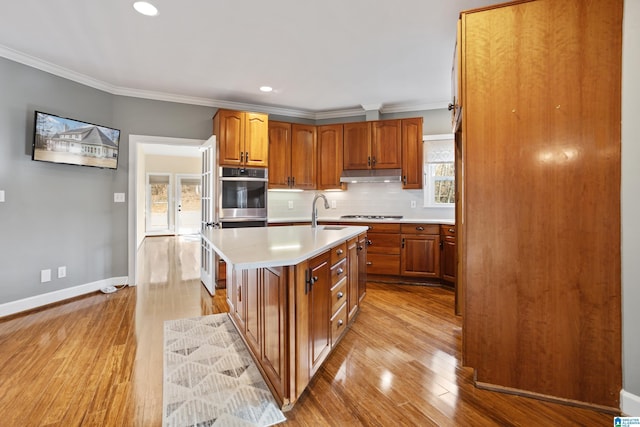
339	251
369	263
340	322
340	295
339	271
452	230
420	228
369	243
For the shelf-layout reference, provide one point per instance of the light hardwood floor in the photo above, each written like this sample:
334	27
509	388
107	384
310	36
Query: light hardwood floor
97	360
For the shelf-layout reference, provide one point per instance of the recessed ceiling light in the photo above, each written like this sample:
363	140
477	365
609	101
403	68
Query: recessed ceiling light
145	8
266	88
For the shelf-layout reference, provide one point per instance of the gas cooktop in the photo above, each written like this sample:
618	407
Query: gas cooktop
371	216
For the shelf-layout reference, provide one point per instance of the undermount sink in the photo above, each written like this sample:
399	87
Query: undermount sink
333	227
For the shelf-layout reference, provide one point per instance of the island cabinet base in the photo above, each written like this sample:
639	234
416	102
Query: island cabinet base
292	317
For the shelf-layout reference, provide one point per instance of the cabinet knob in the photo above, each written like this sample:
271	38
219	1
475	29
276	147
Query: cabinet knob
369	243
339	271
360	248
420	228
452	230
340	322
340	295
339	251
369	263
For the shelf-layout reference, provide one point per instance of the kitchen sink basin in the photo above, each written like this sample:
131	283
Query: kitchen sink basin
333	227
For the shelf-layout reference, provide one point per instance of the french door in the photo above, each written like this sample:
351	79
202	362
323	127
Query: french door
188	204
207	207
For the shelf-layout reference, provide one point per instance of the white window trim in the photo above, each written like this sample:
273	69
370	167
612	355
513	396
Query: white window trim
428	180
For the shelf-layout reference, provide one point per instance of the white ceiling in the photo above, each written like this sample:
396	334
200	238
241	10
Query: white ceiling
326	57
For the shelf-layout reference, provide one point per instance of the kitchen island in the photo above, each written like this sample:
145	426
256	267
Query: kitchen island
292	293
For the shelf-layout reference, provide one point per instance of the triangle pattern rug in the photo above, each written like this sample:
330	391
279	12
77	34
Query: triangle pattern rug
210	378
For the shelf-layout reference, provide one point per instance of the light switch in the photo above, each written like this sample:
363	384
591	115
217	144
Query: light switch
118	197
290	204
1	196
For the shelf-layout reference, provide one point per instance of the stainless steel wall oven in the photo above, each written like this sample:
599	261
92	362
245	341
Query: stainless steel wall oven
242	196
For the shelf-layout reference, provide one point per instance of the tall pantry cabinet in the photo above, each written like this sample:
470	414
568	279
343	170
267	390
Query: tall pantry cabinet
539	217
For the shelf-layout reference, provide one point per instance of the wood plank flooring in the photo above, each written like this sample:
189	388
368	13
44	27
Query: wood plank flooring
97	360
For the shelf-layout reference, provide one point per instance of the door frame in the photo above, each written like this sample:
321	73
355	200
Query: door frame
135	234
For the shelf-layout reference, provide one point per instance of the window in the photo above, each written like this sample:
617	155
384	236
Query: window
439	171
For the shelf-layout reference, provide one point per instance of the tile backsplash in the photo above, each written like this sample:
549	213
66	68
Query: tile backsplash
359	199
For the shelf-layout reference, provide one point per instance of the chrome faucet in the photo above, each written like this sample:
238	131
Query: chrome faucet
314	210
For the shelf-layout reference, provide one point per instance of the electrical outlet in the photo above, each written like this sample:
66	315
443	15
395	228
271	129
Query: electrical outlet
118	197
1	196
45	275
413	203
62	272
333	204
290	204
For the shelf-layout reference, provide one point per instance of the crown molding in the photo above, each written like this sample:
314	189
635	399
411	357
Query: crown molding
65	73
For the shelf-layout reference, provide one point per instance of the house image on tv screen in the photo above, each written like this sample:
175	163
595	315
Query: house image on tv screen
62	140
89	141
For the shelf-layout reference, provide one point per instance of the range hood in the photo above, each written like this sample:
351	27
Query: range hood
371	175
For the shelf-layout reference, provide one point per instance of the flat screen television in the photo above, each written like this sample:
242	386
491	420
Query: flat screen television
72	142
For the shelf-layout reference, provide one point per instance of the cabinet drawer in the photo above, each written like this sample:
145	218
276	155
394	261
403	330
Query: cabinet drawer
379	227
338	295
447	230
338	324
338	272
383	243
338	253
420	229
383	264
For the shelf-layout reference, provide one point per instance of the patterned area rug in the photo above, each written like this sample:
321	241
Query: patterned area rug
210	378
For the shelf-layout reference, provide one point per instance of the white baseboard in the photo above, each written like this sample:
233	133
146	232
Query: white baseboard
13	307
629	404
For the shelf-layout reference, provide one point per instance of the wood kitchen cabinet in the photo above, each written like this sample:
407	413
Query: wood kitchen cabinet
383	249
293	156
242	138
420	246
330	157
357	273
448	264
541	314
412	157
373	145
318	298
258	309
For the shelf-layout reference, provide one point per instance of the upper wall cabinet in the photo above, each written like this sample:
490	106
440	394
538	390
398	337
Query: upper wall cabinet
330	155
242	138
412	153
372	145
293	154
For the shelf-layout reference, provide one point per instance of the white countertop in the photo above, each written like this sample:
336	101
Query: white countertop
256	247
357	220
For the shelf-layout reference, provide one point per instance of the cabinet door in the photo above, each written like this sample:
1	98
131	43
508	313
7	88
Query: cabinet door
420	256
252	300
239	291
330	157
228	127
279	154
274	354
256	140
448	261
386	150
319	311
357	143
303	156
362	266
352	278
412	153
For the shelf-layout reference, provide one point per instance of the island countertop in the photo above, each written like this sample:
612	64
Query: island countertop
258	247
